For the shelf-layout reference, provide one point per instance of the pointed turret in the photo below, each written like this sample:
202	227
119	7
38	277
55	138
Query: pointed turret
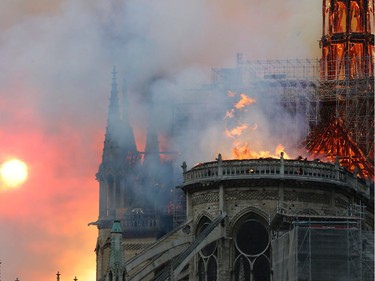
116	259
111	144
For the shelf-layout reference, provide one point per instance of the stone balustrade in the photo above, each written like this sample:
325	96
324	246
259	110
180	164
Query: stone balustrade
274	168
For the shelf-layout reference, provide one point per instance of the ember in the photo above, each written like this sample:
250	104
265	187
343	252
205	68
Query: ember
244	101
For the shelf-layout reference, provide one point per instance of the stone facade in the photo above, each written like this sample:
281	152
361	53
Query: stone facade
237	209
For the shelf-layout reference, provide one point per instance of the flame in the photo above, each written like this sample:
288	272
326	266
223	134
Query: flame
239	134
242	150
244	101
236	131
280	148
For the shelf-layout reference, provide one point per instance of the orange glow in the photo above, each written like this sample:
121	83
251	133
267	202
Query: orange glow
165	147
242	150
244	101
280	148
337	142
230	113
48	216
236	131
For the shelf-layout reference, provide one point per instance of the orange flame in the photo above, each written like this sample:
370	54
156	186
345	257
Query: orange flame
243	151
236	131
244	101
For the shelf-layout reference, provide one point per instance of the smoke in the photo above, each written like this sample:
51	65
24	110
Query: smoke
56	59
164	49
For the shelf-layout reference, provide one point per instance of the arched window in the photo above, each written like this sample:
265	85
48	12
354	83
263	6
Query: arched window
207	257
251	249
212	269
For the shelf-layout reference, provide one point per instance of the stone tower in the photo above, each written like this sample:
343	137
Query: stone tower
133	196
119	159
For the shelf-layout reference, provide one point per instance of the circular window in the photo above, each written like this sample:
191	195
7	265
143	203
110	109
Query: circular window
252	238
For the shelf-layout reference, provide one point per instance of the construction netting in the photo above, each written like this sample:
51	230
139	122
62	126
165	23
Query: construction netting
321	253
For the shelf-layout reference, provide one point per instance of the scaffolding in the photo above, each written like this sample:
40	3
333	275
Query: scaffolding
324	249
321	98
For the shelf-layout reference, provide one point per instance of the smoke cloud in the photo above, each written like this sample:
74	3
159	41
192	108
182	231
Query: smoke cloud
56	61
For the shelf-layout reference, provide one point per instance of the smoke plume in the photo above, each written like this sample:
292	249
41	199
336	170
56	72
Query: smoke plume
56	59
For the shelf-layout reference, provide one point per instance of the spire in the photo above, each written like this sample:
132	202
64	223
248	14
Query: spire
113	129
114	105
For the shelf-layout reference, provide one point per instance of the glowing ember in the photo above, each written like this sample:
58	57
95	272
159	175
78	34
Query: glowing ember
236	131
244	101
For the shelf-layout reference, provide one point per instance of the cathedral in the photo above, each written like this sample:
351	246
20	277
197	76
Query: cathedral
266	218
133	190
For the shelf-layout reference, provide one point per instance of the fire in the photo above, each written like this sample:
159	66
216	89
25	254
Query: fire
280	148
236	131
244	101
241	132
242	150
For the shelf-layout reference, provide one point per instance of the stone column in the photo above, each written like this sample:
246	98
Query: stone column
102	199
224	260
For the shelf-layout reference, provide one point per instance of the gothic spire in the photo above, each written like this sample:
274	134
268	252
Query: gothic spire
113	121
114	105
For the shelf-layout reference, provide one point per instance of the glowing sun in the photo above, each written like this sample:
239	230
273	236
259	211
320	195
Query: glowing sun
13	173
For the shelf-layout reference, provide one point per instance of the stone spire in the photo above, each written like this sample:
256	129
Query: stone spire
113	122
116	172
111	168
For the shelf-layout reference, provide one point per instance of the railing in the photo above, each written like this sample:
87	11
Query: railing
274	168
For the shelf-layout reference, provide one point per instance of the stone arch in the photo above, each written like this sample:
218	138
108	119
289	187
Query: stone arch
206	258
251	246
245	212
308	211
200	217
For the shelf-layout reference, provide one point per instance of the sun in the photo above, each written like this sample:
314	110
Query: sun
13	173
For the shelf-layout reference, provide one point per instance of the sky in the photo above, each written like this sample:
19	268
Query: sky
56	59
